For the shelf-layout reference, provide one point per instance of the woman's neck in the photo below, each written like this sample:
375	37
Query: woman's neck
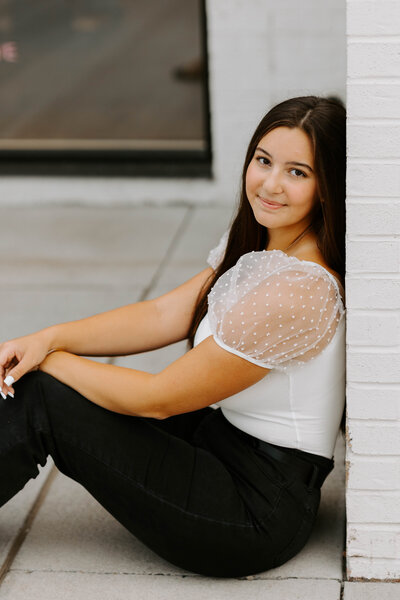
289	242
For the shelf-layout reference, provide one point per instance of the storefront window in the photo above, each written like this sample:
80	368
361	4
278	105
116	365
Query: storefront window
110	82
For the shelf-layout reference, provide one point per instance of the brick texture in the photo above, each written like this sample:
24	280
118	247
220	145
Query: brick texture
373	290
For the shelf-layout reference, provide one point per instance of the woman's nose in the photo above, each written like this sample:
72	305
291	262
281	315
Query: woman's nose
273	182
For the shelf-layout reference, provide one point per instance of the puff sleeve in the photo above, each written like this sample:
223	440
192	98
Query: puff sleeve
275	310
216	255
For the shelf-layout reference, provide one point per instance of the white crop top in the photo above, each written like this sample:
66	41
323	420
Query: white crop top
287	315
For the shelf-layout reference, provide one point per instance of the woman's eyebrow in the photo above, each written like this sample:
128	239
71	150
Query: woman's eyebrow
290	162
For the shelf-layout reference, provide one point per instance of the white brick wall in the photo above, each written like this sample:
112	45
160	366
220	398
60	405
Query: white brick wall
373	289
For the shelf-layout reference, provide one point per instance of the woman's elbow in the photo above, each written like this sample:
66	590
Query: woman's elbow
156	410
158	413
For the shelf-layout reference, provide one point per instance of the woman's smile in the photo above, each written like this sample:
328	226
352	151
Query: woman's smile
270	204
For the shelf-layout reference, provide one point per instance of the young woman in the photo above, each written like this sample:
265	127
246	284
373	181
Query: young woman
216	462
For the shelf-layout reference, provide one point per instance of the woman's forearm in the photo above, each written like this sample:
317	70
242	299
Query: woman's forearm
125	330
118	389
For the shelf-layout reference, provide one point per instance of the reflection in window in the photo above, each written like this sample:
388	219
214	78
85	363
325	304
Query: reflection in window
101	74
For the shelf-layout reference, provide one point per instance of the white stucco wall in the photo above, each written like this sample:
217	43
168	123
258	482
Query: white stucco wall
260	52
373	290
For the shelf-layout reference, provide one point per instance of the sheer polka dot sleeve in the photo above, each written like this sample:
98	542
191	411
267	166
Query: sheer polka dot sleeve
275	310
217	254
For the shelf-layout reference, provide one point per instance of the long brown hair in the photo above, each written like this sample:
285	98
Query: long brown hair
324	121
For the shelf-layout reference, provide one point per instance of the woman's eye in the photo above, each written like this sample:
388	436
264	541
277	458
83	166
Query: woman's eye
260	159
298	173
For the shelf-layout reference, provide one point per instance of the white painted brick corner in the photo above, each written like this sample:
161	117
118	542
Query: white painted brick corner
373	290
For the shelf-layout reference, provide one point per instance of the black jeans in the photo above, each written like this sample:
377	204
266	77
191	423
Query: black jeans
193	487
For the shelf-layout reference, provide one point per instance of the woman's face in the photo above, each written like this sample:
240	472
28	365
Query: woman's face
281	185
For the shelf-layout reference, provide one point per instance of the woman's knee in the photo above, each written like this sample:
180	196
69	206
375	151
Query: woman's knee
33	388
32	381
46	400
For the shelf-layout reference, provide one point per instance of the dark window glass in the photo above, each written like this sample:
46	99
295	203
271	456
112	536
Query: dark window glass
119	85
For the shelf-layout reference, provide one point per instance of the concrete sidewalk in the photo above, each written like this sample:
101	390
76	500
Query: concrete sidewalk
58	264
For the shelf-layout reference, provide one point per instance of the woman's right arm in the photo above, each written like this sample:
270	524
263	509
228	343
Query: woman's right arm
129	329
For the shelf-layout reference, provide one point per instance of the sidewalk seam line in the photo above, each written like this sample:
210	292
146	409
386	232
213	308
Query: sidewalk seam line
178	235
157	273
27	524
177	575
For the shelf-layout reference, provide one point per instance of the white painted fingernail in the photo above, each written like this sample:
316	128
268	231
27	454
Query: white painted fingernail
9	380
10	394
4	396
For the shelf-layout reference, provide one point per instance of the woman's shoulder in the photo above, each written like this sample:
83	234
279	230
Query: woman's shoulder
276	268
216	255
269	261
316	257
312	254
274	307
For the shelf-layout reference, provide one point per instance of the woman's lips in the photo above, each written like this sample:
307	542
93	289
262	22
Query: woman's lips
271	205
